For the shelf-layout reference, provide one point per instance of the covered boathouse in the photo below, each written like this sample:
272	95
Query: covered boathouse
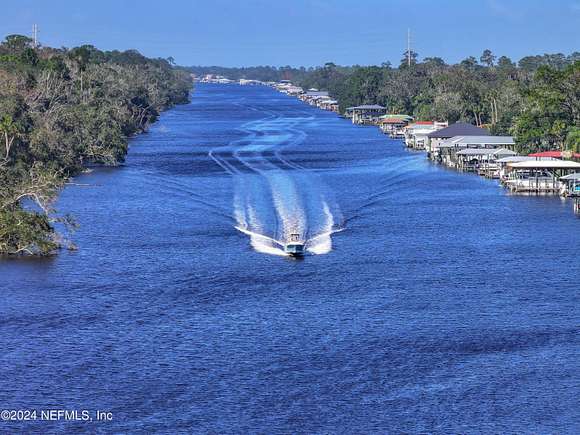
435	138
539	176
365	114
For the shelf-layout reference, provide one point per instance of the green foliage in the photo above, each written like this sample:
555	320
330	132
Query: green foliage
550	114
26	232
541	108
573	139
487	58
61	110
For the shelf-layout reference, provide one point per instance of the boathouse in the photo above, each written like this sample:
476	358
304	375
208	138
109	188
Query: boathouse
435	138
366	113
571	185
393	124
328	104
539	176
482	160
311	96
504	161
446	152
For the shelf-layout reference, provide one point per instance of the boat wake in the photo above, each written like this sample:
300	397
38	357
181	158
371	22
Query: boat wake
276	199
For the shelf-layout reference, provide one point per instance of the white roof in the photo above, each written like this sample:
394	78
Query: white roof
485	151
424	131
545	164
452	143
575	176
483	140
514	159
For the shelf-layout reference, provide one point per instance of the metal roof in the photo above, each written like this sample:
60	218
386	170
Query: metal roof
485	151
484	140
452	143
317	94
392	116
368	107
514	159
545	164
417	126
459	129
574	177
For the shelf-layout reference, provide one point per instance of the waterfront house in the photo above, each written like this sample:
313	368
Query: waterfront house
435	138
417	132
366	113
539	176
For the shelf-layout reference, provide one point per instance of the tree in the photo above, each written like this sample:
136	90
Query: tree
469	62
16	44
434	61
81	55
487	58
409	55
9	130
573	139
48	133
551	112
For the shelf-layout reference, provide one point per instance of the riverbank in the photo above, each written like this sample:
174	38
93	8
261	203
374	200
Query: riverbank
78	108
464	147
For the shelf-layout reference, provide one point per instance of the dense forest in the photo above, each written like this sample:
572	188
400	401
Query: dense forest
62	110
536	99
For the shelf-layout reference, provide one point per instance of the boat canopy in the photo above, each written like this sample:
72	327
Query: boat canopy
545	164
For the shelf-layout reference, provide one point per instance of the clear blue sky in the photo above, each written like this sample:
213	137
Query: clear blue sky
302	32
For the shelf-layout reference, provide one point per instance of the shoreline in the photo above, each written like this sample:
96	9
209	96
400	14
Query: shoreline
316	98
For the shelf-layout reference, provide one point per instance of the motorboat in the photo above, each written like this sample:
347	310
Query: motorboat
295	246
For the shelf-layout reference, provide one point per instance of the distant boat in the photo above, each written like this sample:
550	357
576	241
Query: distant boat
295	247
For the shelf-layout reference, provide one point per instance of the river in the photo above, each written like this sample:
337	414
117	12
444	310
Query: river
428	301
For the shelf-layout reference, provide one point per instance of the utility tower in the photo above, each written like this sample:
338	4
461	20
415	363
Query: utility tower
409	48
35	35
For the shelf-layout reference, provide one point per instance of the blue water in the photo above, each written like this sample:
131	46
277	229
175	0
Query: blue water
429	302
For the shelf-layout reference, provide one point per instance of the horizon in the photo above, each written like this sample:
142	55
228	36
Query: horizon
420	60
308	33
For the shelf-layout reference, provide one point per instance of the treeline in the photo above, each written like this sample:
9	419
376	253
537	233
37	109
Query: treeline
62	110
536	99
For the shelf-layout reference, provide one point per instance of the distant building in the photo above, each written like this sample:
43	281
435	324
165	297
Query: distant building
435	138
448	149
393	124
417	132
366	113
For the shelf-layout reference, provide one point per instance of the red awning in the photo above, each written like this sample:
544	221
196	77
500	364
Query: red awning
556	154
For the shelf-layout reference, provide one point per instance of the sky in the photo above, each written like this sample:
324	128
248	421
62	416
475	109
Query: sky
301	32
